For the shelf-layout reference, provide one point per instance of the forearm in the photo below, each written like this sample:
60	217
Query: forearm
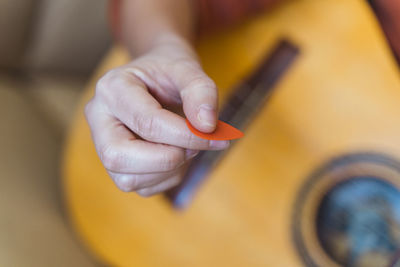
146	24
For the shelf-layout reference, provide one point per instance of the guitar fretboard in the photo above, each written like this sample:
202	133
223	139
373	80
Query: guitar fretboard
239	109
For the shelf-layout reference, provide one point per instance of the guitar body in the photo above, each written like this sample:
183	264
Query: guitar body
330	127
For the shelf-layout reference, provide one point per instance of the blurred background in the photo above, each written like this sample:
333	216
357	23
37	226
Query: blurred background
48	49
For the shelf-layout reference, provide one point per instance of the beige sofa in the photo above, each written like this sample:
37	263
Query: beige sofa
48	48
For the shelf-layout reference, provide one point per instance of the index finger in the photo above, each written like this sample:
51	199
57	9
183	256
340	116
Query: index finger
130	101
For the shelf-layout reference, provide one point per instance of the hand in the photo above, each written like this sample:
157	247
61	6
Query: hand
143	144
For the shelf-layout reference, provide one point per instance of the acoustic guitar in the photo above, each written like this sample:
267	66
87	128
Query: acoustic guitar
316	179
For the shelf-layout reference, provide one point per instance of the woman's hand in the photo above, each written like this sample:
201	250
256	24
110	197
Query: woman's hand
143	144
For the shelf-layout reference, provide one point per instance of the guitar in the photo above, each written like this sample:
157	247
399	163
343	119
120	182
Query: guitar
316	179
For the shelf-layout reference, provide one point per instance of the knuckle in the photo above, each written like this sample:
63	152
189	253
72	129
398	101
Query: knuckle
202	81
194	142
104	84
172	160
127	183
146	192
194	74
183	63
207	82
109	157
146	127
88	108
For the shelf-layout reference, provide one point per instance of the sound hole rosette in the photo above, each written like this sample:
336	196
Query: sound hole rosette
320	183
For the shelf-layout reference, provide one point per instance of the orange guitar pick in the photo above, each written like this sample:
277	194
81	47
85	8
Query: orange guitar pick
223	131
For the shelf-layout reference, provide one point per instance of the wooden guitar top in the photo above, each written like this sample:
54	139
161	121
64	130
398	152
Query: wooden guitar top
340	96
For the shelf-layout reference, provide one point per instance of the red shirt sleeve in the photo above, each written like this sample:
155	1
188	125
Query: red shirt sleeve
388	12
211	13
114	17
219	13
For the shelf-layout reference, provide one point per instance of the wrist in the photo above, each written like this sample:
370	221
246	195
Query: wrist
144	25
172	41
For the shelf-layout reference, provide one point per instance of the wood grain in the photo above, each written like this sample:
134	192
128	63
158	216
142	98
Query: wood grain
342	95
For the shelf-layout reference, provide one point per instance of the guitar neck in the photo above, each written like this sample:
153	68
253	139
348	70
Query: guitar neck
239	109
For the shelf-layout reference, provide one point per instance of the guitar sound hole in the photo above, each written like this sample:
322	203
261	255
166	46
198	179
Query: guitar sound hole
358	222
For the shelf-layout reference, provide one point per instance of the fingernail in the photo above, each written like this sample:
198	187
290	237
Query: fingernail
219	144
206	115
191	153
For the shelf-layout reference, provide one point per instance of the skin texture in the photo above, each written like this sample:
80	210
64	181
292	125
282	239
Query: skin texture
137	114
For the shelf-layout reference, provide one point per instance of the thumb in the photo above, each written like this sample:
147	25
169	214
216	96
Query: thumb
200	100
